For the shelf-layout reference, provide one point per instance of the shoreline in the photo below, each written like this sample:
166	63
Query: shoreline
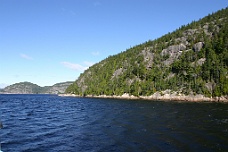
158	96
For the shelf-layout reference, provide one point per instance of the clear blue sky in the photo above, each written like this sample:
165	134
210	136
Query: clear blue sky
51	41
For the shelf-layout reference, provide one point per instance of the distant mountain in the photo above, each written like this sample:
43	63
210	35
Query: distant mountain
22	88
191	60
30	88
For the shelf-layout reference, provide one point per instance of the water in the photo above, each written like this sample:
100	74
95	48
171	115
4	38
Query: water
51	123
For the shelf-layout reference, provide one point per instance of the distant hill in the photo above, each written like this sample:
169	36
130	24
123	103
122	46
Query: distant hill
30	88
191	60
56	88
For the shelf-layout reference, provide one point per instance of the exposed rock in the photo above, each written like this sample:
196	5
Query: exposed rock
81	81
205	27
148	57
198	46
201	61
169	95
174	52
189	32
182	40
210	86
171	75
117	73
166	95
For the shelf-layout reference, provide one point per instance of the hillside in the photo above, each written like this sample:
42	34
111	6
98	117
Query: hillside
56	88
191	60
30	88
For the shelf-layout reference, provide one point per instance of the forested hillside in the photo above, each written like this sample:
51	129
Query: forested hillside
191	60
30	88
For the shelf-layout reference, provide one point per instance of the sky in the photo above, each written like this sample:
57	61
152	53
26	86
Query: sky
51	41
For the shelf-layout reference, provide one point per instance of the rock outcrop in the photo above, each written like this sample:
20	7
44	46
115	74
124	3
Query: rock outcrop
198	46
173	52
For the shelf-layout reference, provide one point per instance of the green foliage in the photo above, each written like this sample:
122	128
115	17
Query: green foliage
133	72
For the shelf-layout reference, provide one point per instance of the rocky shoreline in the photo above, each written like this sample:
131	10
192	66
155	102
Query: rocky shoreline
163	96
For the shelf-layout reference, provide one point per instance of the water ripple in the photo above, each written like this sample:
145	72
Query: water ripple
51	123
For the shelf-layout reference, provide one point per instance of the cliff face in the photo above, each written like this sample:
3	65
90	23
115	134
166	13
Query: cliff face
30	88
191	60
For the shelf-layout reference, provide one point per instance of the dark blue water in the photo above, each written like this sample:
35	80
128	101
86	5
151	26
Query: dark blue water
51	123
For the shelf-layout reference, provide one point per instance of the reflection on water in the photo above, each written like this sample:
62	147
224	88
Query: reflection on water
52	123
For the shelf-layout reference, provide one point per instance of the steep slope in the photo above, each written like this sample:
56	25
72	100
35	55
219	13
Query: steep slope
191	60
30	88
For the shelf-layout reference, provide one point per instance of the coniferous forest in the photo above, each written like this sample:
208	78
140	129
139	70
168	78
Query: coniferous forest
191	60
